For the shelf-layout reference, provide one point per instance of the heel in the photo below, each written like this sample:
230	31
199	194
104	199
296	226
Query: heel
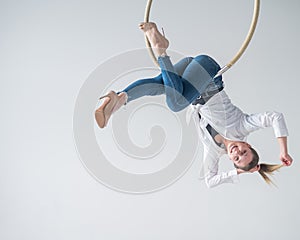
104	96
103	113
110	95
163	32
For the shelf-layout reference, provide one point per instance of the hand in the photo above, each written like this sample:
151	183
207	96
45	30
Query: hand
286	159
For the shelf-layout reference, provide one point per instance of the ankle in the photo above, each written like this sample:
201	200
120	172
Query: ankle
123	95
163	54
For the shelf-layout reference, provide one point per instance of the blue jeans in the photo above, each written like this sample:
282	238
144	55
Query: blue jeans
182	83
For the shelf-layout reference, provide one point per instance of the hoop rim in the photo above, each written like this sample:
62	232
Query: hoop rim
236	57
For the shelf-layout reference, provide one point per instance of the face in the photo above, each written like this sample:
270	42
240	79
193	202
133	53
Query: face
240	153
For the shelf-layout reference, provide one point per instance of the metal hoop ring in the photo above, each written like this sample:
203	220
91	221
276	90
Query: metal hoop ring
236	57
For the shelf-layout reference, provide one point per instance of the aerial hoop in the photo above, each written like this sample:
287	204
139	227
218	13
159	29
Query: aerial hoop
237	55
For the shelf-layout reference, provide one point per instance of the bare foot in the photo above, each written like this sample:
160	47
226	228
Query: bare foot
156	39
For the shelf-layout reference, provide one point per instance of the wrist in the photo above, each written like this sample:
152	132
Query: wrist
283	145
284	153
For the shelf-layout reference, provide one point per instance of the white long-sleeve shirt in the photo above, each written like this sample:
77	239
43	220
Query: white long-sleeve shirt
231	123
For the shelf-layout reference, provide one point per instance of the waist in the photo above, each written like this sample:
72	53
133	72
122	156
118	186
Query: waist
206	96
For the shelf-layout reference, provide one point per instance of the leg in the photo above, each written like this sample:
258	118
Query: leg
182	65
158	42
170	76
173	84
181	83
112	101
181	88
200	75
153	86
197	79
145	87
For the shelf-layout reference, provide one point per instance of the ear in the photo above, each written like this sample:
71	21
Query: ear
255	169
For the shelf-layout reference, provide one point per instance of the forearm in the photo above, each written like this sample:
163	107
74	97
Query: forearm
284	154
282	141
213	179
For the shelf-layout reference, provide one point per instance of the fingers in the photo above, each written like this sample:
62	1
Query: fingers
142	25
287	161
147	25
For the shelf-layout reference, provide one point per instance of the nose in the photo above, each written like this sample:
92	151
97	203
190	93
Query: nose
239	151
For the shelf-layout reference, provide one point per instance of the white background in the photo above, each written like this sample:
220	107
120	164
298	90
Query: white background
49	48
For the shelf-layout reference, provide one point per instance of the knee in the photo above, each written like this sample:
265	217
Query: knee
209	64
200	58
206	60
184	62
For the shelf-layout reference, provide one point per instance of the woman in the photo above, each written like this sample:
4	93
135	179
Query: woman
222	126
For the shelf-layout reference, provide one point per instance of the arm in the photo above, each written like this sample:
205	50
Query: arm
284	155
214	179
258	121
277	121
211	167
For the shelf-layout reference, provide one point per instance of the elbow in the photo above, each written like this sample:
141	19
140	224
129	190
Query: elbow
275	115
278	123
279	115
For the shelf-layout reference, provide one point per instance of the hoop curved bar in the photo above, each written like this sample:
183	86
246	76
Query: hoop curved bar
148	45
246	41
237	55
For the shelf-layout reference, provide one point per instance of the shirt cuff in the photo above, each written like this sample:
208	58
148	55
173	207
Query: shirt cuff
234	176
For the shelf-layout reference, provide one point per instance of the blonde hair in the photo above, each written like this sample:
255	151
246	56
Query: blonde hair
266	170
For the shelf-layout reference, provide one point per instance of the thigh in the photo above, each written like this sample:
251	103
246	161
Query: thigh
182	64
200	73
209	64
212	68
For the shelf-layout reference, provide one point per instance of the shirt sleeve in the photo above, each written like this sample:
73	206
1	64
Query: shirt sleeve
267	119
210	165
211	171
215	179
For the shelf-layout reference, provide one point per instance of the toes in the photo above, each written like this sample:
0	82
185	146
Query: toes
142	25
147	25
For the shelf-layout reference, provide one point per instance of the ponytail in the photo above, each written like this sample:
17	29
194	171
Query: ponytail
266	170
